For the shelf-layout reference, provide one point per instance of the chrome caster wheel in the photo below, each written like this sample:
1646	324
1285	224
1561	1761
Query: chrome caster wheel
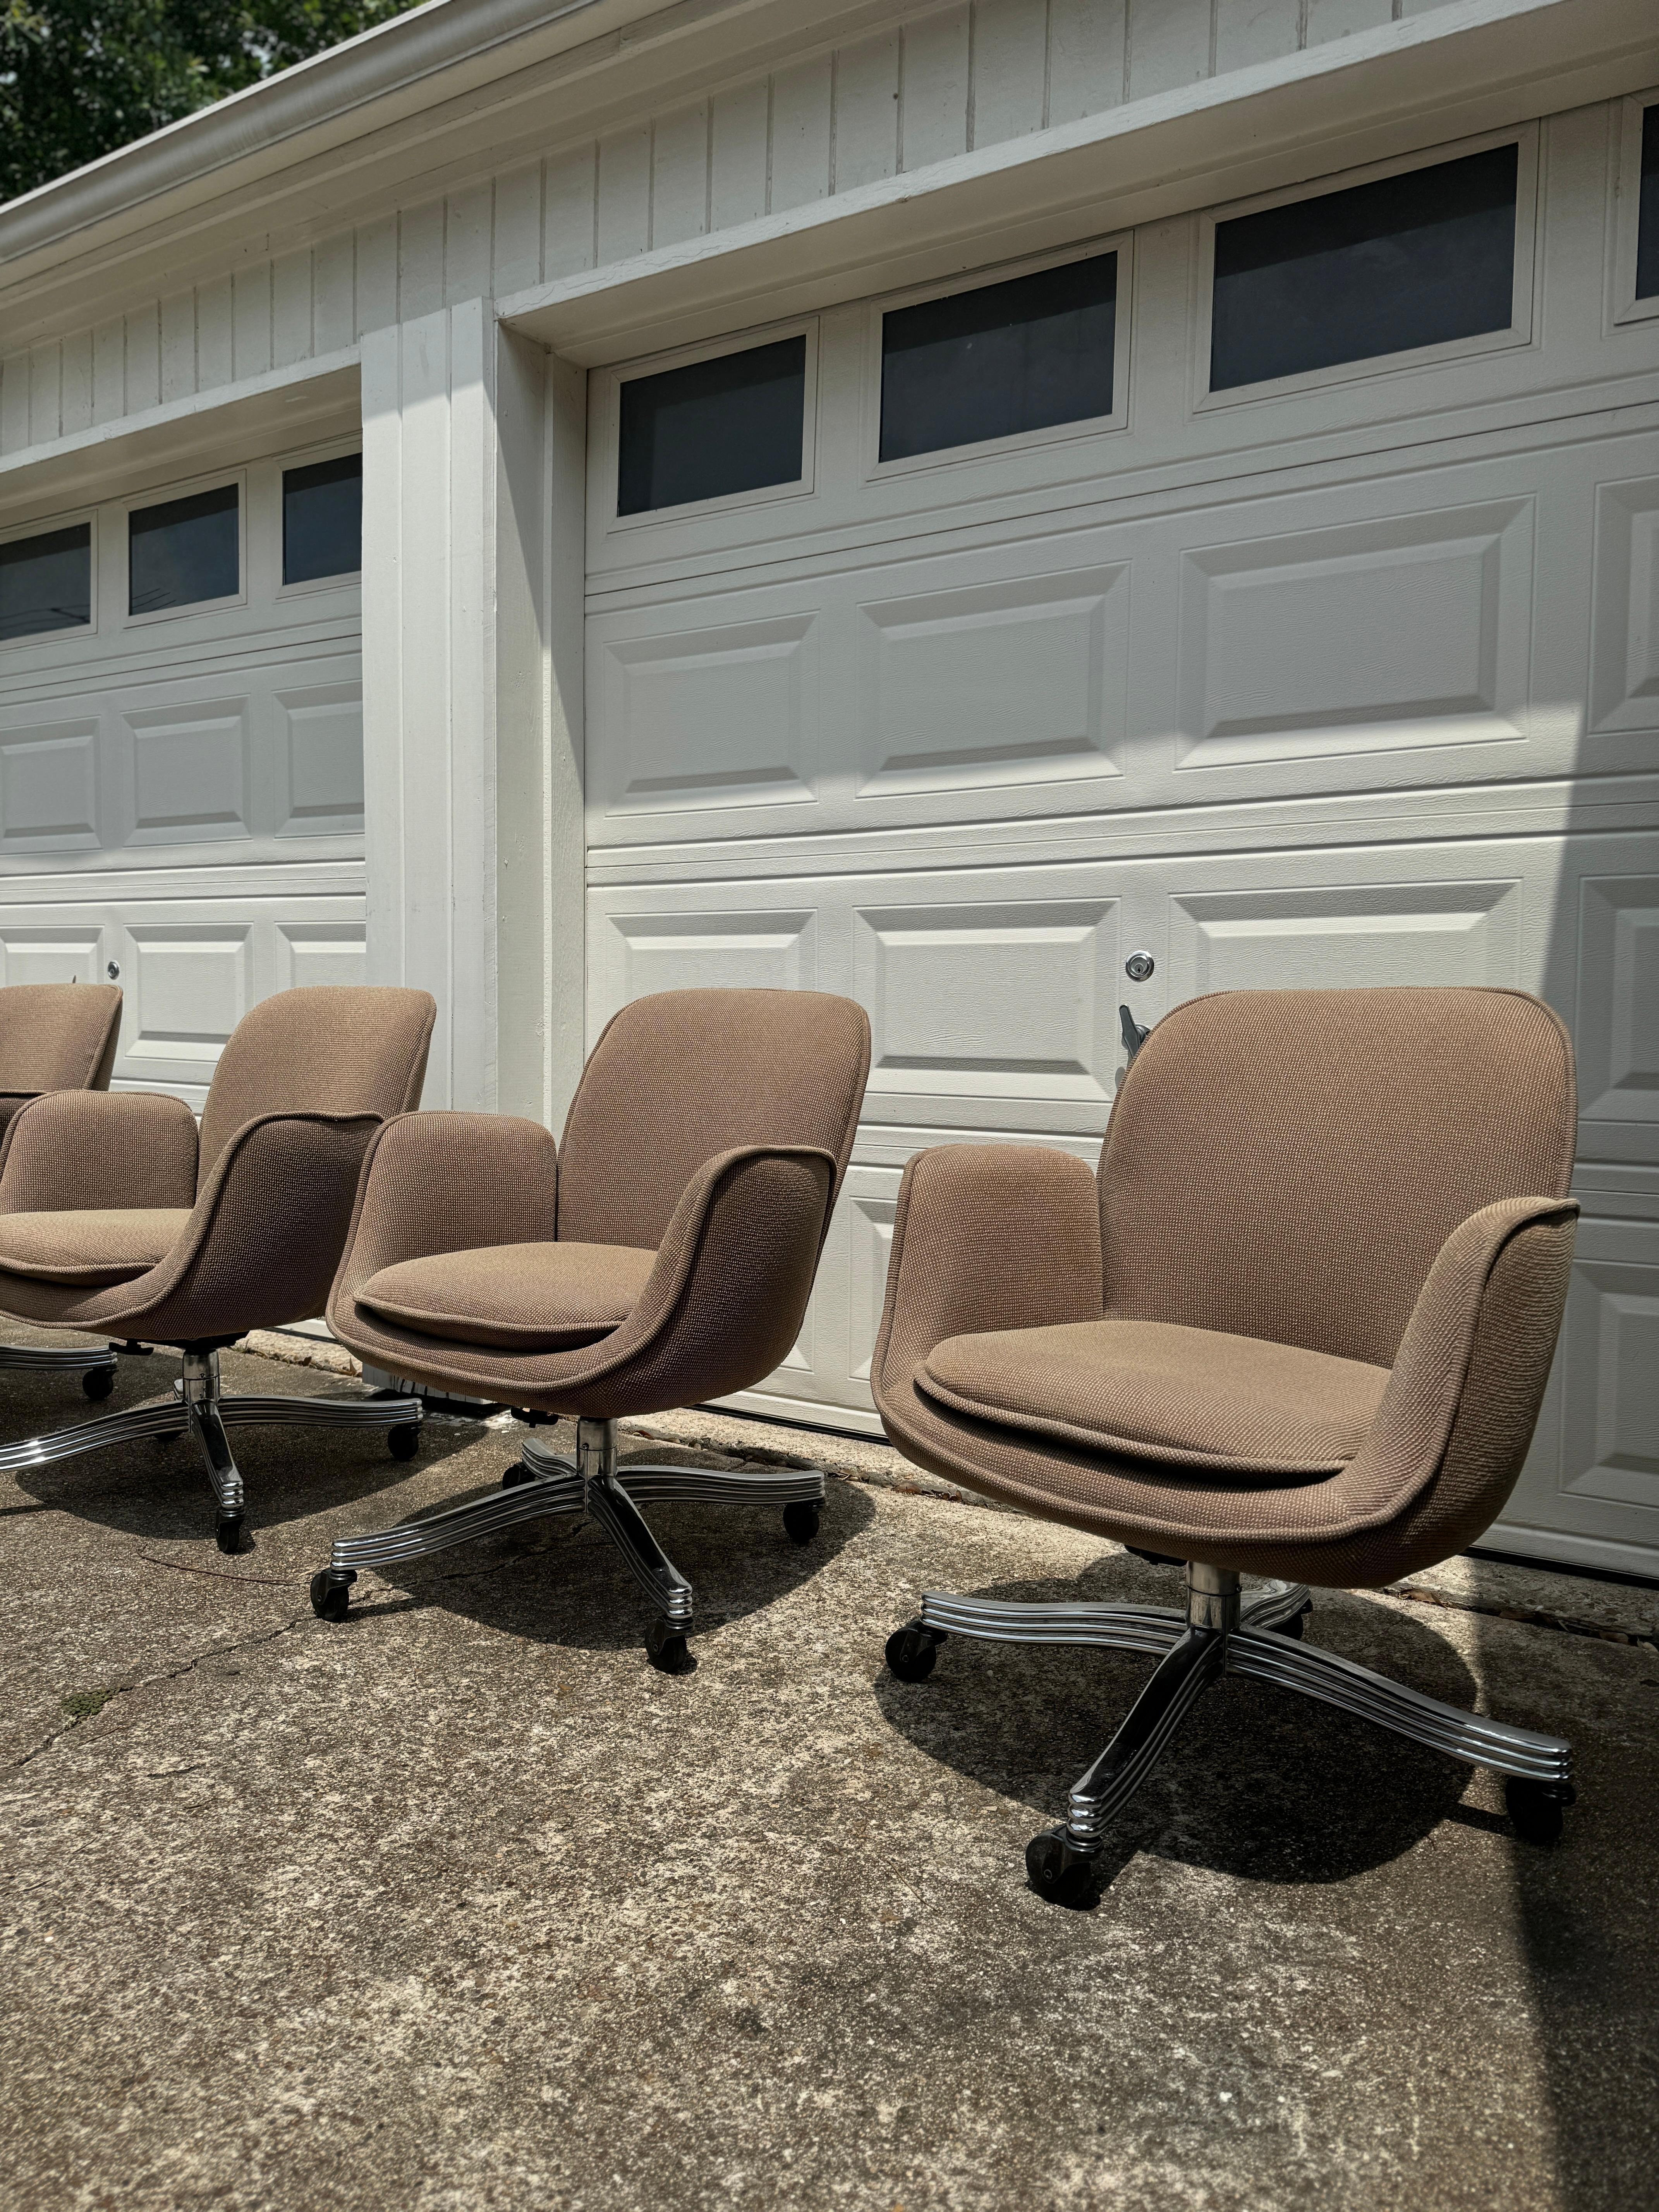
665	1647
1294	1625
331	1592
228	1533
801	1519
517	1473
1535	1808
404	1440
98	1382
1057	1872
910	1651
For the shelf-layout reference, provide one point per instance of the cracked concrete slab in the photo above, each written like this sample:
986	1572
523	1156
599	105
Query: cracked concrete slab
459	1906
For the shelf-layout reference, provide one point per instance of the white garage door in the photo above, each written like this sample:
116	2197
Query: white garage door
1274	591
181	788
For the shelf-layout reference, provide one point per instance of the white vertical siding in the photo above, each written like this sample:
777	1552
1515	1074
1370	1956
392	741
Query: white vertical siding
624	207
567	221
679	176
972	73
738	154
250	321
865	117
1010	69
933	88
801	102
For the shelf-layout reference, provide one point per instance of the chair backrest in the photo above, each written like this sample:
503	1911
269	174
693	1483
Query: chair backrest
678	1078
325	1048
1287	1164
58	1036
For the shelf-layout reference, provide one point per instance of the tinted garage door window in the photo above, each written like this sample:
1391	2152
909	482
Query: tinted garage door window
1000	360
1406	261
712	429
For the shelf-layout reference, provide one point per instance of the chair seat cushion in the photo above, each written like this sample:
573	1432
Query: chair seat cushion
1155	1391
109	1244
519	1298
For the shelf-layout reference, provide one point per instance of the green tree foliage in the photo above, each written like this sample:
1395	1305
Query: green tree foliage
80	77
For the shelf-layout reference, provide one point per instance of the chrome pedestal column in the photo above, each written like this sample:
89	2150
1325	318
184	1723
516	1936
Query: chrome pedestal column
197	1405
1221	1632
542	1486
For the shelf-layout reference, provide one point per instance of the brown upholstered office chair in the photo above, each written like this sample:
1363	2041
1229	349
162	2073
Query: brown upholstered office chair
115	1215
1300	1328
57	1037
662	1256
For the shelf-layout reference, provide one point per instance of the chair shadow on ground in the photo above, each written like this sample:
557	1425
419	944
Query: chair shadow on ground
1589	1934
157	1489
1257	1784
562	1583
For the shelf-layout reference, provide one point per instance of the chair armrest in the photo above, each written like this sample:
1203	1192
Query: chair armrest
70	1150
447	1182
724	1301
986	1237
264	1236
1457	1416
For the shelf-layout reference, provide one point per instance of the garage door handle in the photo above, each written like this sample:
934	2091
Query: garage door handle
1133	1035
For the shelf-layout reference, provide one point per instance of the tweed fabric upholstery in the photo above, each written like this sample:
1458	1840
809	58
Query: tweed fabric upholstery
650	1170
110	1244
522	1298
681	1076
1263	1130
1195	1398
82	1150
1467	1366
58	1037
325	1048
722	1305
271	1202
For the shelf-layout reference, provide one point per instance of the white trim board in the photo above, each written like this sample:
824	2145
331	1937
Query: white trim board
284	402
1475	66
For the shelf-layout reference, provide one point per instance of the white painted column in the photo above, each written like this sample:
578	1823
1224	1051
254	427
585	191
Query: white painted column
472	591
428	775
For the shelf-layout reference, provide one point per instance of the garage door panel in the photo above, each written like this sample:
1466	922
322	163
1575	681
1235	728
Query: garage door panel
1613	1395
990	1005
51	954
1589	1490
317	760
1334	935
187	985
995	684
190	773
1617	1031
871	1207
723	717
694	947
48	786
1625	648
1610	1437
314	952
1409	631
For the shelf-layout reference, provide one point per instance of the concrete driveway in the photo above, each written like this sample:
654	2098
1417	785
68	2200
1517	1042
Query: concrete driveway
460	1905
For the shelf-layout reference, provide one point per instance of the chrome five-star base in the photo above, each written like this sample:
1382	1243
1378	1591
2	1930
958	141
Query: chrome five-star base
199	1406
95	1365
1221	1632
592	1483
